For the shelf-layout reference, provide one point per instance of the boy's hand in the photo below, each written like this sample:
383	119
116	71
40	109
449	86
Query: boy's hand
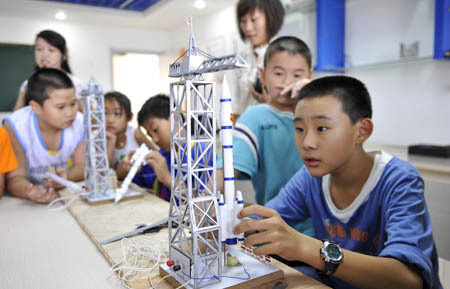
40	194
273	233
111	139
125	163
50	183
260	97
159	165
294	88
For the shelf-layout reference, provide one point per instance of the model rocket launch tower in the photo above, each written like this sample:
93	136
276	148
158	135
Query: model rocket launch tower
96	167
195	217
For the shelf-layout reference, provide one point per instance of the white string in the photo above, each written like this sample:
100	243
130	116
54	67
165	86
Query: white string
71	198
143	255
140	254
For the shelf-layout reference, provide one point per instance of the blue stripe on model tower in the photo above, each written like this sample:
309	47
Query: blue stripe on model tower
227	146
240	202
229	179
226	127
225	100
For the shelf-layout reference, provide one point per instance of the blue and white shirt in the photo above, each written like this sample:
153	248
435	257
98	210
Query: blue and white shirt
389	218
264	149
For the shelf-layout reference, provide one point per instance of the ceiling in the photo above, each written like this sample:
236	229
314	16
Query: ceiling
159	14
135	5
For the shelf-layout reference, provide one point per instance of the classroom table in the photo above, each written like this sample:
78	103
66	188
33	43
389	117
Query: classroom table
40	248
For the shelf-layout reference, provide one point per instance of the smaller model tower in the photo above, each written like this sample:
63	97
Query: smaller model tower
96	167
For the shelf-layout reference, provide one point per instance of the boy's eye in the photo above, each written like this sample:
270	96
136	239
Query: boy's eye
299	129
322	128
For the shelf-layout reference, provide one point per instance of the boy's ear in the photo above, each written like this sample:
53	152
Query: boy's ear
310	73
131	117
36	107
365	129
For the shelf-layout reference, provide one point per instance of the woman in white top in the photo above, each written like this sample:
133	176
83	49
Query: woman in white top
258	22
50	51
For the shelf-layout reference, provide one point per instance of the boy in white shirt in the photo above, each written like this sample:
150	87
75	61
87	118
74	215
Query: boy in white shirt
47	133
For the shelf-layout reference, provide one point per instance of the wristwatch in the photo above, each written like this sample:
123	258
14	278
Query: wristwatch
332	255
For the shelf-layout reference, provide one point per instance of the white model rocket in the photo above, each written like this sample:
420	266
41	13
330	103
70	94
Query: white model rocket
232	203
138	159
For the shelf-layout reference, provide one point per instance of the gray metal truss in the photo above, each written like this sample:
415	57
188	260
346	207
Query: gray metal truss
96	167
209	65
194	228
194	224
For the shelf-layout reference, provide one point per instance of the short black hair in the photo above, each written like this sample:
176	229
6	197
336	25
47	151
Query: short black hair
122	99
42	82
57	40
272	8
351	92
156	106
291	45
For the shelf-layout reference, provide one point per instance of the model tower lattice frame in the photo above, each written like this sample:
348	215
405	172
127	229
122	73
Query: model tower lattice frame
96	166
194	224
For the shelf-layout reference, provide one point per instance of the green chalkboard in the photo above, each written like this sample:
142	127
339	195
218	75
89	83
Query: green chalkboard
17	64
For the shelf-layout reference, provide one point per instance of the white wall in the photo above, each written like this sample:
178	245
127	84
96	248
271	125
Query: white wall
216	33
89	45
411	100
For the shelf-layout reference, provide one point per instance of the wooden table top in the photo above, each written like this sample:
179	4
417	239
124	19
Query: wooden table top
106	220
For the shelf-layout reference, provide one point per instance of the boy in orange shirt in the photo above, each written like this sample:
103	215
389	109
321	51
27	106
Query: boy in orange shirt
8	160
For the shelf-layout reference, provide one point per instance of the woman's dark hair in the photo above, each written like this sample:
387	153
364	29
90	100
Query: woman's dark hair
156	106
55	39
123	101
43	82
272	8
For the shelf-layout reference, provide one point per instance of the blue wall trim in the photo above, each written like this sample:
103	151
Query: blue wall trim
441	28
330	35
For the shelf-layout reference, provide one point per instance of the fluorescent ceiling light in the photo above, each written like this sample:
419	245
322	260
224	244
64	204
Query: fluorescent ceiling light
200	4
60	15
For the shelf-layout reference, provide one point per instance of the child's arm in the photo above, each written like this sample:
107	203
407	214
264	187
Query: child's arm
361	270
2	184
76	172
142	138
159	165
124	166
17	182
111	140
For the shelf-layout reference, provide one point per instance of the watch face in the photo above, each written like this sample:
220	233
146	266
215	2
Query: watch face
333	251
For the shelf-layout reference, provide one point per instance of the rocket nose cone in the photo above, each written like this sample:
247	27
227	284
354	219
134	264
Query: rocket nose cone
225	88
